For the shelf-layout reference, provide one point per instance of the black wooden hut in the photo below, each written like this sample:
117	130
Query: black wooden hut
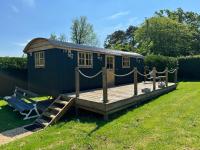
51	66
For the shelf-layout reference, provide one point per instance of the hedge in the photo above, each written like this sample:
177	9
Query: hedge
13	72
189	68
13	63
160	62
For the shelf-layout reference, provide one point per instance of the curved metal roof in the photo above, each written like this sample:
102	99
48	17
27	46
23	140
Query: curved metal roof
64	45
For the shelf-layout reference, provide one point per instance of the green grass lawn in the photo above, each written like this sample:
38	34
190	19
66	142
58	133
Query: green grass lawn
171	121
9	118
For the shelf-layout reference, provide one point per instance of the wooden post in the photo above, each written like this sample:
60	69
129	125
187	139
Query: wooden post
105	87
166	75
145	72
176	75
77	82
154	78
135	82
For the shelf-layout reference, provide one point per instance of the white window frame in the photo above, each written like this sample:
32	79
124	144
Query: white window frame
125	62
87	59
39	58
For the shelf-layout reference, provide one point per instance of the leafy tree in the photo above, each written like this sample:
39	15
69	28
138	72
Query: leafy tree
53	36
82	32
189	18
122	40
115	39
164	36
62	38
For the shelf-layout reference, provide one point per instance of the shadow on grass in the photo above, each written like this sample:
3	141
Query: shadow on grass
90	117
11	119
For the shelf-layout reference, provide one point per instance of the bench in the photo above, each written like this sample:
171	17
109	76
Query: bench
21	101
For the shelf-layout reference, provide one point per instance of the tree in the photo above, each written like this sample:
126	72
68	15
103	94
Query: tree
164	36
62	38
189	18
53	36
115	40
122	40
82	32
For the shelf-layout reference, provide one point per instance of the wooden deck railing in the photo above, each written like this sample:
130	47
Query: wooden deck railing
152	74
105	85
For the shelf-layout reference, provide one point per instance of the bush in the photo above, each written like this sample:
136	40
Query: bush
160	62
13	72
189	68
13	63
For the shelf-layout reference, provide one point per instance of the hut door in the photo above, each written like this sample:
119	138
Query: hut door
110	65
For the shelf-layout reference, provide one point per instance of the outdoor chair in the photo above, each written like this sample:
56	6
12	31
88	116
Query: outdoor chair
21	101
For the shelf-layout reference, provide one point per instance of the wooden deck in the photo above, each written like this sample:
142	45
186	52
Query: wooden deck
119	97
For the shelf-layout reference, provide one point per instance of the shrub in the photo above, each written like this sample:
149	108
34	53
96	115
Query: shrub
160	62
189	68
13	72
13	63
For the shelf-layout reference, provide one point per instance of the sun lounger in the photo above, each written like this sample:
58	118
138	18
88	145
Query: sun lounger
21	101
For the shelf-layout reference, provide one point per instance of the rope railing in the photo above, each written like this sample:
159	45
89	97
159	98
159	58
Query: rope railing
161	72
123	75
172	71
144	75
152	75
90	77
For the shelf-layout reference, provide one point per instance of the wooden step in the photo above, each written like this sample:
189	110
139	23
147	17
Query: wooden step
49	115
61	102
55	108
55	111
42	122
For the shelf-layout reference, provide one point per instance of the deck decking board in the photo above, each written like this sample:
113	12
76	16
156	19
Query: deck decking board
119	97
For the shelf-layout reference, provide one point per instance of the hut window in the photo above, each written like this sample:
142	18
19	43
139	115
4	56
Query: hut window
125	62
39	60
84	59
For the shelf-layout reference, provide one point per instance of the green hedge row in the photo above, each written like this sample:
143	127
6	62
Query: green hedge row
13	72
13	63
189	68
160	62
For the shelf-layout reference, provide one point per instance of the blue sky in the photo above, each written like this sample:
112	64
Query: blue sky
22	20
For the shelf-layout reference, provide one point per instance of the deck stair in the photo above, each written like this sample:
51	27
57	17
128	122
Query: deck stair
55	111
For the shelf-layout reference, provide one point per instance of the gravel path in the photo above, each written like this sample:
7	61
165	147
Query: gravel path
11	135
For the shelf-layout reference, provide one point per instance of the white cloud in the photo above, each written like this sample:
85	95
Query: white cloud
22	44
14	9
119	14
130	21
30	3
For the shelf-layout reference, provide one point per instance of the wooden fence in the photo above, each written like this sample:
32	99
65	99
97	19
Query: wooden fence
152	74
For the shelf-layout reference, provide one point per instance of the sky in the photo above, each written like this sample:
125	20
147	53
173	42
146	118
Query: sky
23	20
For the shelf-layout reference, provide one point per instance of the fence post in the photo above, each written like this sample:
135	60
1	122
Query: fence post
154	78
135	81
77	82
105	87
176	75
166	75
145	72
